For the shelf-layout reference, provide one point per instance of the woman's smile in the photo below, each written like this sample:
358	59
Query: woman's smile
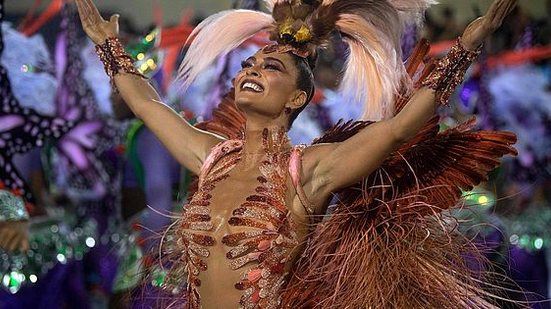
251	85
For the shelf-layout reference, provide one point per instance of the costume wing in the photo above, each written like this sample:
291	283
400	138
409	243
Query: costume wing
227	120
439	166
388	242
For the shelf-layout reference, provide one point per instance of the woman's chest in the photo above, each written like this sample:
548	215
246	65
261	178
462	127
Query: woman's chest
228	198
253	194
239	215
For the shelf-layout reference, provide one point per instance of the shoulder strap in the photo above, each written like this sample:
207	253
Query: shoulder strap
295	170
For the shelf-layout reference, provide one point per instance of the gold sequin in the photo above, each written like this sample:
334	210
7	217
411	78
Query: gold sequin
198	210
265	210
196	217
116	60
233	239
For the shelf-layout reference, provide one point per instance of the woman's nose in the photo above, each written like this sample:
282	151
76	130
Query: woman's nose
252	71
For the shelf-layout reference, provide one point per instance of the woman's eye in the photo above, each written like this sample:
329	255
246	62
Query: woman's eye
245	64
271	67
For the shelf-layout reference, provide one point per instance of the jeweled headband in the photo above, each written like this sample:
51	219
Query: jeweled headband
285	48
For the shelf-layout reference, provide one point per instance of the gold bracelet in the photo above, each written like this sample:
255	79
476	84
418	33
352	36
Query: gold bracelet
115	59
449	71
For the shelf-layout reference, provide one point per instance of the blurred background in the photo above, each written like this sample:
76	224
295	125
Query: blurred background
99	187
140	11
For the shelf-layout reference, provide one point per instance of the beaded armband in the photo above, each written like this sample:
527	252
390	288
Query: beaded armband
12	207
115	59
449	71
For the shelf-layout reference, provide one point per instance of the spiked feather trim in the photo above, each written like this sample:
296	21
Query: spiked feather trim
217	35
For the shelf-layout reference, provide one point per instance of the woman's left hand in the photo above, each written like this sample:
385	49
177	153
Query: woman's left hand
477	31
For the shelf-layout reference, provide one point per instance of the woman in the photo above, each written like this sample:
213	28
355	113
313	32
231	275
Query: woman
243	229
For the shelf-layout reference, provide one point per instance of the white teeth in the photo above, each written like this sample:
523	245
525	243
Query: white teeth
252	86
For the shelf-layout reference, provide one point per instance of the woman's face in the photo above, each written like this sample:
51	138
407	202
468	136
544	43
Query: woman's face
266	84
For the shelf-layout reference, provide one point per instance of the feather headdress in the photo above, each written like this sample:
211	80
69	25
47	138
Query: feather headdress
374	71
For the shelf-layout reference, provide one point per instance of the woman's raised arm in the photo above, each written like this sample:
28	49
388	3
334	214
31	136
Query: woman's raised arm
333	166
188	145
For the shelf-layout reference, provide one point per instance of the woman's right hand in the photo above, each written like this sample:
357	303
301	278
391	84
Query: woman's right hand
97	28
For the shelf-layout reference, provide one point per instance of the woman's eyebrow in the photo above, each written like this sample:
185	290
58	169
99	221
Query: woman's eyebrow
277	60
252	58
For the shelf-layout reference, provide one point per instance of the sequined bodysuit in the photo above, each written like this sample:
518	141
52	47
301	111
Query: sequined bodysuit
238	228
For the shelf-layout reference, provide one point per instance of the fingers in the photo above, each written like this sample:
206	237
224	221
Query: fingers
85	15
492	10
24	244
89	14
91	17
93	11
8	238
13	244
82	12
498	11
20	243
508	8
501	9
13	239
114	19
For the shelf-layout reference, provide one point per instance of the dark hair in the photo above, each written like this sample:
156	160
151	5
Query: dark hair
305	82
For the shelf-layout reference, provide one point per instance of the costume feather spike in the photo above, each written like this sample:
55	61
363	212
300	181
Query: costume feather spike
409	10
373	29
372	68
380	58
387	243
357	79
219	34
374	71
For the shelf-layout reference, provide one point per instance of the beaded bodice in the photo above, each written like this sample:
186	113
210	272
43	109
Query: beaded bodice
265	231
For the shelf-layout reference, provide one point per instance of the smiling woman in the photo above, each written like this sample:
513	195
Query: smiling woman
275	79
252	236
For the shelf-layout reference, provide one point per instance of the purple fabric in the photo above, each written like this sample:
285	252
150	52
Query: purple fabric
26	163
529	270
100	266
129	179
10	122
161	172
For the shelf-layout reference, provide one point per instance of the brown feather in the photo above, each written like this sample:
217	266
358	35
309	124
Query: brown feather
387	243
227	120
